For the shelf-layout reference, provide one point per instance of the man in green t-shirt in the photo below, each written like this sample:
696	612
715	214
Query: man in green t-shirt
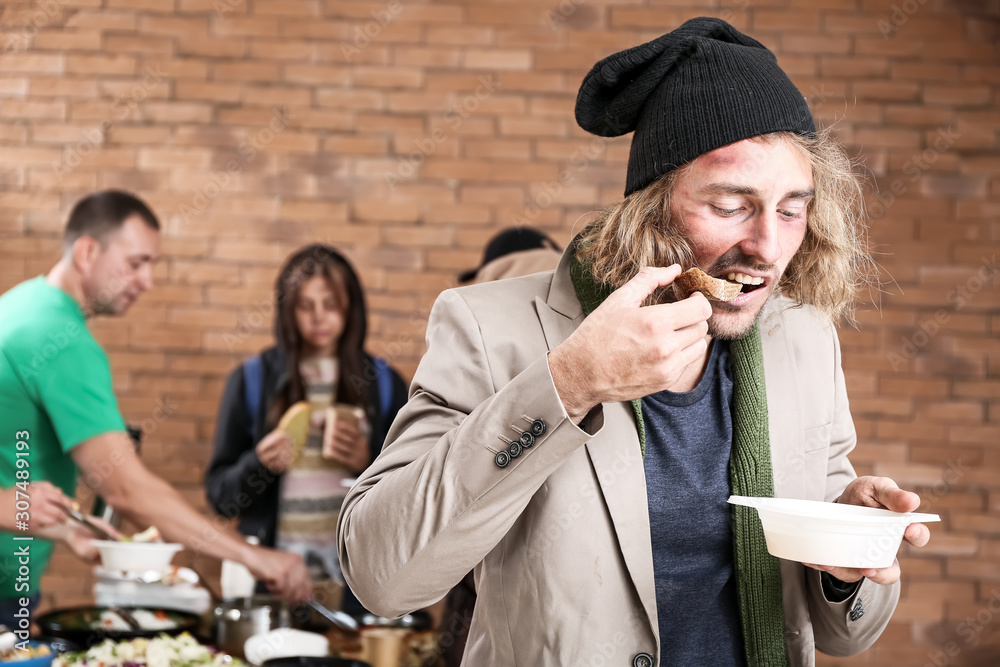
59	416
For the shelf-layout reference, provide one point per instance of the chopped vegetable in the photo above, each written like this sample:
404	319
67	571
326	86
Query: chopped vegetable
163	651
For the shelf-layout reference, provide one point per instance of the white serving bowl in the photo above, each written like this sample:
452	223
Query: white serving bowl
136	555
820	533
285	643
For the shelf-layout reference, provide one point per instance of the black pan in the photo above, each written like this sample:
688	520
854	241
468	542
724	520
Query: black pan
74	624
314	662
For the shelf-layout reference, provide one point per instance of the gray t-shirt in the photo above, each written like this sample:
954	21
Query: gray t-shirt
688	439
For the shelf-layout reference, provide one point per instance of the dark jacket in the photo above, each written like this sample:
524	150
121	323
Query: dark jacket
236	483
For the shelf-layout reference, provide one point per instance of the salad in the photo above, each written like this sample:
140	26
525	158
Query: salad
163	651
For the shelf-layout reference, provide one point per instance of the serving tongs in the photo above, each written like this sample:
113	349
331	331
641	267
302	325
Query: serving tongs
126	616
81	518
338	618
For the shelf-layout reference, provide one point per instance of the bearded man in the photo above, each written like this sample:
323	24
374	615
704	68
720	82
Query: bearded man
573	436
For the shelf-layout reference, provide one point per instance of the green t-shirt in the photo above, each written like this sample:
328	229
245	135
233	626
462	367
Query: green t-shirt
55	392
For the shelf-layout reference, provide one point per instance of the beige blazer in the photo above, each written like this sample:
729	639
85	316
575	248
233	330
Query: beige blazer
559	538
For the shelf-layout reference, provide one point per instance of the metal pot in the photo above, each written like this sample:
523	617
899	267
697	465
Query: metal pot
235	621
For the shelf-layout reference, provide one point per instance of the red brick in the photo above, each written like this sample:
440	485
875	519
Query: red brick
225	10
186	89
642	17
390	77
532	127
296	8
246	71
316	74
814	43
547	82
129	44
176	68
281	49
919	115
888	138
957	95
465	35
777	20
426	56
507	149
886	90
852	67
67	40
385	211
101	65
103	19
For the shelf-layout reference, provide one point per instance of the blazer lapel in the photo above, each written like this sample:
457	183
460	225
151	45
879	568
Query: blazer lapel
614	453
783	396
618	467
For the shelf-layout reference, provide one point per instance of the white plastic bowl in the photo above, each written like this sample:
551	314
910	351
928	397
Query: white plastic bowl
811	531
136	555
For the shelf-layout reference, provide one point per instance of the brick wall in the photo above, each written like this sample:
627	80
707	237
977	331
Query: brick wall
407	133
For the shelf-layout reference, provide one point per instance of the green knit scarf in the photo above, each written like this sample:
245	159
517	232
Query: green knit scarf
758	576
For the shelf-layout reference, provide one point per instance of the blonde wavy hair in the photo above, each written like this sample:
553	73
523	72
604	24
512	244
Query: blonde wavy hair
830	268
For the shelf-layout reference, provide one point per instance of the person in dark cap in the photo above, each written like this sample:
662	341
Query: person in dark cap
574	436
513	252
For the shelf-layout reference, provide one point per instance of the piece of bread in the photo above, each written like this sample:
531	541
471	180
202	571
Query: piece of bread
334	414
714	289
295	422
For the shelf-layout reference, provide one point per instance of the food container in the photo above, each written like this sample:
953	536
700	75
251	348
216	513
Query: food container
285	643
821	533
136	555
36	661
383	646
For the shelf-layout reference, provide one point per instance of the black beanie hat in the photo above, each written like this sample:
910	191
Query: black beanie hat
700	87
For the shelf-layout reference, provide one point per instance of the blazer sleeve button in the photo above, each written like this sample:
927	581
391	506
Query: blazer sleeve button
538	428
502	458
526	440
642	660
514	449
858	611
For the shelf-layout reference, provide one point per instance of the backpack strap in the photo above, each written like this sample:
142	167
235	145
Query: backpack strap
253	373
384	374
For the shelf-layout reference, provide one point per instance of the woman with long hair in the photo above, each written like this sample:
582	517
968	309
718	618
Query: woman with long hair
288	499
